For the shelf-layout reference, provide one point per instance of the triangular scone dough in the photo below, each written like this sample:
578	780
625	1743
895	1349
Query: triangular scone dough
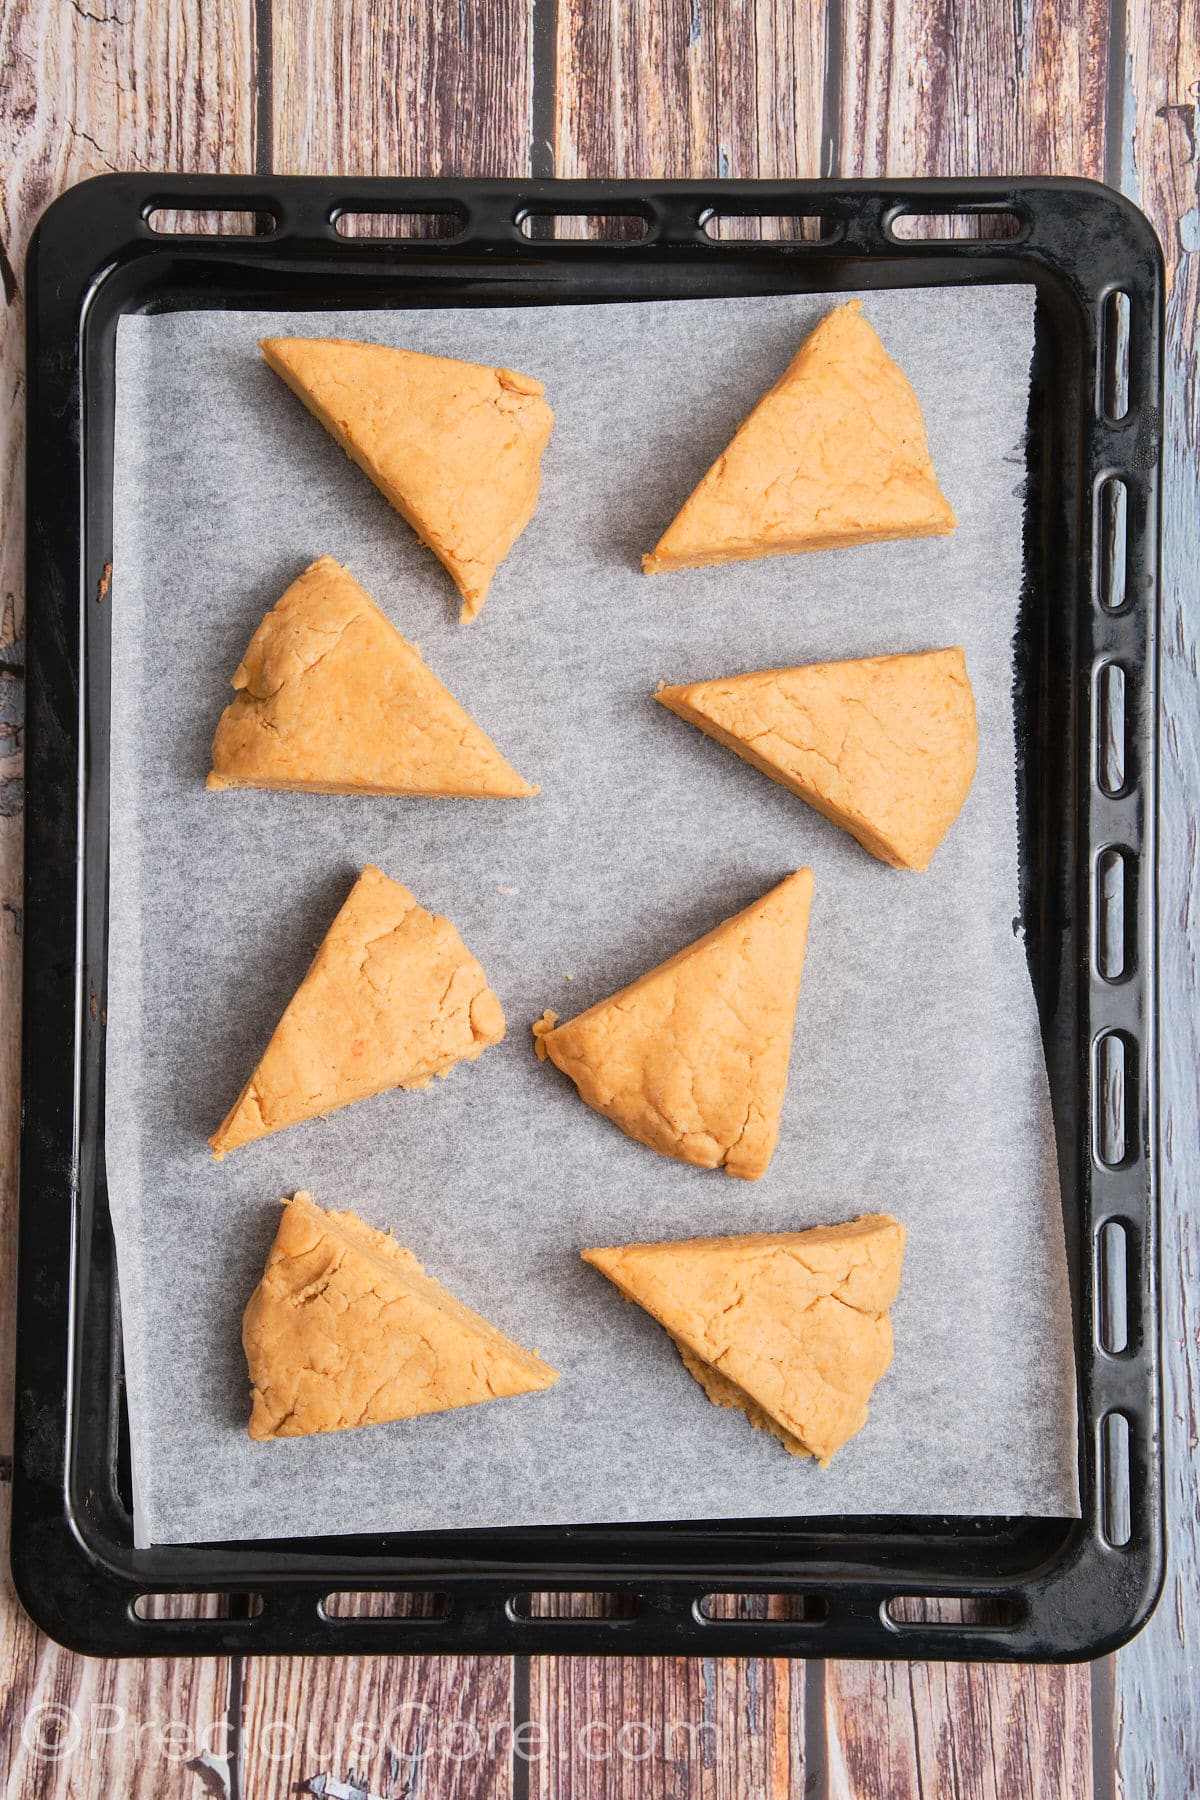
884	747
393	998
332	698
346	1329
454	446
835	453
792	1327
692	1058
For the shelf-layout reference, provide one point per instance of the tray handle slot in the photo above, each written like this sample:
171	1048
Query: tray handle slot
1116	954
980	224
1111	736
189	1608
1114	1100
609	227
990	1611
208	221
1116	1510
1112	1287
415	1604
768	228
439	225
594	1603
741	1608
1116	323
1112	544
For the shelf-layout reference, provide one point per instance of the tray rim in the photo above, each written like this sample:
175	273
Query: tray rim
61	1562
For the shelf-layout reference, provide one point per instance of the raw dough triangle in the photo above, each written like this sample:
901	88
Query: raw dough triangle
332	698
454	446
835	453
884	747
692	1058
393	998
345	1329
792	1327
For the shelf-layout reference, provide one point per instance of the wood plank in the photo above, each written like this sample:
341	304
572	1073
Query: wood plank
379	90
387	89
86	93
91	88
900	1731
934	88
1156	1741
392	1725
717	87
75	1725
713	1728
728	88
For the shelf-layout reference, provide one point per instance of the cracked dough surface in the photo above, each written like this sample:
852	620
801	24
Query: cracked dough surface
331	698
834	454
393	997
346	1329
792	1328
692	1058
884	746
456	447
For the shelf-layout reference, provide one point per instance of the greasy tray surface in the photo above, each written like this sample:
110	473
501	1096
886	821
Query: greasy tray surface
1057	794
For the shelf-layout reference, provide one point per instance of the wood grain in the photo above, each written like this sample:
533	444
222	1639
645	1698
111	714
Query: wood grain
1156	1738
89	88
697	87
930	87
711	1728
86	91
643	90
730	88
400	1727
378	90
393	89
901	1731
715	87
78	1726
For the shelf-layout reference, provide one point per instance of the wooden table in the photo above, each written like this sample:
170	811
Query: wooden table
1106	88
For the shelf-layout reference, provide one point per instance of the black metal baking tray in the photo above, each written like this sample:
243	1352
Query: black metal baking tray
1018	1588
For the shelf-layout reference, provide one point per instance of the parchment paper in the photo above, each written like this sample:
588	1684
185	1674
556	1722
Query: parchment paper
917	1083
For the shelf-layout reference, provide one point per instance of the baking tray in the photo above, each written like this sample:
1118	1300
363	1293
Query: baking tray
945	1587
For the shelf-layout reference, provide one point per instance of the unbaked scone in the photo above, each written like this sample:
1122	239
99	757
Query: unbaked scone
455	446
393	997
834	454
885	746
346	1329
332	699
791	1327
692	1058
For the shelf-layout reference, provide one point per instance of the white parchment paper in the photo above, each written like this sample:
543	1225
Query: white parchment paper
917	1082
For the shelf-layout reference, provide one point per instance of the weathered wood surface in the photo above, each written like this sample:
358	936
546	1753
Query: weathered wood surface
394	1725
80	94
393	89
78	1726
929	88
596	87
934	88
370	90
706	88
902	1731
86	88
712	1728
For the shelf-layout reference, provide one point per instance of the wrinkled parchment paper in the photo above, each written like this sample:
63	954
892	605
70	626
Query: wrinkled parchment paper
917	1081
